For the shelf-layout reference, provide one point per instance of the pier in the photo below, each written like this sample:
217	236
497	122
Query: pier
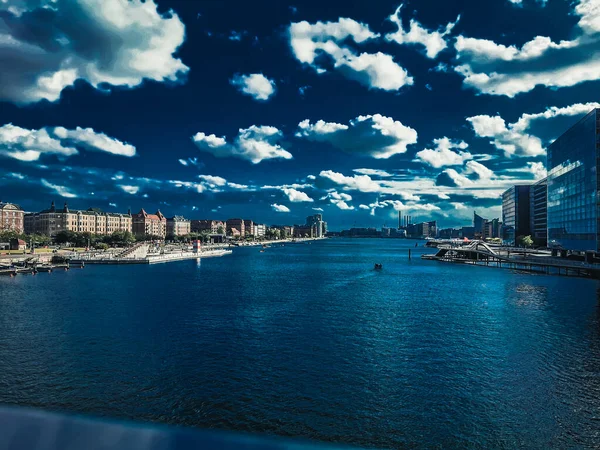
481	254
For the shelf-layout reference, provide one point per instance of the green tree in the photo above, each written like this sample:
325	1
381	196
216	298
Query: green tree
527	241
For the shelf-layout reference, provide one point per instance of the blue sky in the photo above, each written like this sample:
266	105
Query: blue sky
274	110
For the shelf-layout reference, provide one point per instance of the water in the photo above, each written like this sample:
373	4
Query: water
307	340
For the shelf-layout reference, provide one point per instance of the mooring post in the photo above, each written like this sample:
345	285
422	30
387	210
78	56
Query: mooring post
409	253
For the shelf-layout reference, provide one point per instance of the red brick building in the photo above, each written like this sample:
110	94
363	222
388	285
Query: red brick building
11	217
144	224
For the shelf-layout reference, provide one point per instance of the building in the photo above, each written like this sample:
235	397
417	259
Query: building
492	229
479	225
573	210
18	244
94	221
538	214
422	230
208	226
319	228
260	230
235	227
11	218
449	233
303	231
178	226
516	213
144	224
249	228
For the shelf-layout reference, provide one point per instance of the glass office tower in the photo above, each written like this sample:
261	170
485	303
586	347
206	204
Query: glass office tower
573	186
539	212
515	213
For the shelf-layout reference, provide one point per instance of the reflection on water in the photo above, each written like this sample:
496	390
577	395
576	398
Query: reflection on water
309	341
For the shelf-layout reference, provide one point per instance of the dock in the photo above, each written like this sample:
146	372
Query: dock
137	256
481	254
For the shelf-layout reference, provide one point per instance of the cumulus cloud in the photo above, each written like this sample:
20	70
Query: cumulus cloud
375	135
254	144
280	208
497	69
255	85
60	190
296	196
373	172
513	138
92	140
506	138
339	199
45	46
29	145
399	206
365	183
433	41
313	43
443	155
130	189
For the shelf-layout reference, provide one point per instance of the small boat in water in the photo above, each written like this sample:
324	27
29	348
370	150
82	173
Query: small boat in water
378	266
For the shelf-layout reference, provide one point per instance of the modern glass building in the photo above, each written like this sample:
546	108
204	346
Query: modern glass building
516	213
573	185
538	215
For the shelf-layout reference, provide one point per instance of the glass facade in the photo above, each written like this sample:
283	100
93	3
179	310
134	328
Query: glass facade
515	213
539	212
573	186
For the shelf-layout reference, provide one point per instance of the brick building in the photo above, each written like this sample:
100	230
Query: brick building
144	224
52	221
11	217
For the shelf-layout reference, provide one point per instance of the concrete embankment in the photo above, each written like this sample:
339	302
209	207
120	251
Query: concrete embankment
152	259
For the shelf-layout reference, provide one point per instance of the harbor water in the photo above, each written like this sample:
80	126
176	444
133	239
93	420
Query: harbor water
309	341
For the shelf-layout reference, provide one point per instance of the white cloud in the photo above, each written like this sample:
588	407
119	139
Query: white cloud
459	206
254	144
433	41
114	42
255	85
483	50
311	42
478	169
375	135
507	139
280	208
399	206
28	145
92	140
573	110
183	162
513	138
373	172
589	13
339	199
364	183
130	189
212	180
60	190
296	196
443	155
318	209
538	170
497	69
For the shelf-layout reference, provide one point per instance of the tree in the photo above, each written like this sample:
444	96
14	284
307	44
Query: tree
220	230
527	241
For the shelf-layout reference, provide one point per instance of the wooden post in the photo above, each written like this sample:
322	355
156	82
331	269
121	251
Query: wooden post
409	253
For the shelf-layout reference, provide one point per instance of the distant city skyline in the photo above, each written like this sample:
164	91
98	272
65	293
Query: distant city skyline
286	109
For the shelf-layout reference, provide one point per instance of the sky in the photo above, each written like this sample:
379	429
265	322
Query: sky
276	110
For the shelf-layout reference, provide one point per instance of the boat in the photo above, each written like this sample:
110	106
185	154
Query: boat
378	266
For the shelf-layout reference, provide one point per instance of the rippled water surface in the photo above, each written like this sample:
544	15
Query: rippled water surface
307	340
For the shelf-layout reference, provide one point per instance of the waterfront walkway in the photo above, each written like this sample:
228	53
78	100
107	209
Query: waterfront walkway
480	254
